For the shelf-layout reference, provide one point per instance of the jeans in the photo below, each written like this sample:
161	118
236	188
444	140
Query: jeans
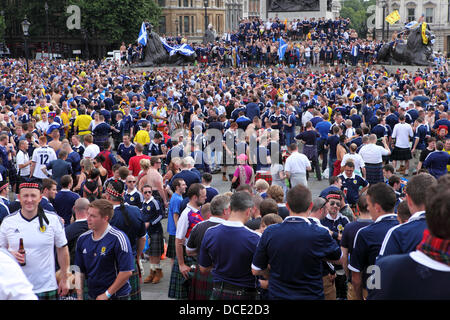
324	152
290	137
331	162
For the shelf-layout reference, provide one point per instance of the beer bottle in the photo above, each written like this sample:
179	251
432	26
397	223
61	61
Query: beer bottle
22	251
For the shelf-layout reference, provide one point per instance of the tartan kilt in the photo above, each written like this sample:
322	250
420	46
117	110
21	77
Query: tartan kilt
135	293
48	295
400	154
178	286
265	176
310	152
202	285
156	246
218	294
374	173
171	253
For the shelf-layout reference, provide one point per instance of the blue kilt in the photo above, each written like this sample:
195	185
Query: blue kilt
374	173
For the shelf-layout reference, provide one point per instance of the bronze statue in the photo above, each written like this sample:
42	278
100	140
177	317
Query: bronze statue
156	55
418	49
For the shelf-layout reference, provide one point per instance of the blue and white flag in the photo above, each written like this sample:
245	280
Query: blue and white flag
183	49
411	25
282	49
143	35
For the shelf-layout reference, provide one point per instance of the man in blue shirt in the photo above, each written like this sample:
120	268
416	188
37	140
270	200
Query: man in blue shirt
353	185
227	251
323	127
381	201
128	219
425	272
278	247
104	256
436	162
179	186
125	150
405	237
65	199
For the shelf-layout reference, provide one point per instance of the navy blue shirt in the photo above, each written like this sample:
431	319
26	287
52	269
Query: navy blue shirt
405	237
436	163
332	141
368	242
152	212
279	247
64	202
188	176
230	247
411	276
210	194
101	261
353	184
47	205
136	227
134	199
126	152
336	225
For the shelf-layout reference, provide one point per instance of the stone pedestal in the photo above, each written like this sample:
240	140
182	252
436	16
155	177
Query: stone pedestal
291	15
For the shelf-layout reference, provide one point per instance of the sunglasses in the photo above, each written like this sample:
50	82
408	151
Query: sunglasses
335	203
147	192
131	181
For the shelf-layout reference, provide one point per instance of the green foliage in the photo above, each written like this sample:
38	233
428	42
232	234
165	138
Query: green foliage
356	10
111	20
117	20
2	28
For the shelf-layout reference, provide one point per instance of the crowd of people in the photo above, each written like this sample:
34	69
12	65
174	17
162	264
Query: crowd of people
94	157
310	42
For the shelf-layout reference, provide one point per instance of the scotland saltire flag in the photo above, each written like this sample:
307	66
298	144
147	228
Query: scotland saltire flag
282	49
184	49
143	35
411	25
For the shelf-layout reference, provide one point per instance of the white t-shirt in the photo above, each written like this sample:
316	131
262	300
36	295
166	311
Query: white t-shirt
183	224
43	126
91	151
357	160
402	132
373	154
42	156
14	285
21	158
39	247
297	163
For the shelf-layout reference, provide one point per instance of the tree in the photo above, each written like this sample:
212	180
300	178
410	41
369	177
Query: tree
111	20
117	20
356	10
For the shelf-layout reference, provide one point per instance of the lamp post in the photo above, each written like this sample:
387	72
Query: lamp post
205	2
25	27
383	5
48	34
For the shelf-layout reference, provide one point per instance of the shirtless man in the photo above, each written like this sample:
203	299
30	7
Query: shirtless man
154	179
55	143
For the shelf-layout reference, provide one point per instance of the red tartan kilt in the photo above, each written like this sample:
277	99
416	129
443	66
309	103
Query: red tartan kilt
265	176
337	168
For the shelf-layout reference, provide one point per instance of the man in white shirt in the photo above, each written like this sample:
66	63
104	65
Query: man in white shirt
402	152
372	156
40	237
92	150
42	125
41	157
23	162
296	166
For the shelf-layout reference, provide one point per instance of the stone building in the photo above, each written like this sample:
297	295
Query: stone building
436	13
187	17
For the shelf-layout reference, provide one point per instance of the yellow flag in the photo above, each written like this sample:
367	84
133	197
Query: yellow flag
424	35
393	17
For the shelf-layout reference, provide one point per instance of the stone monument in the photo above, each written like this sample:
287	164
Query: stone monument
297	9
